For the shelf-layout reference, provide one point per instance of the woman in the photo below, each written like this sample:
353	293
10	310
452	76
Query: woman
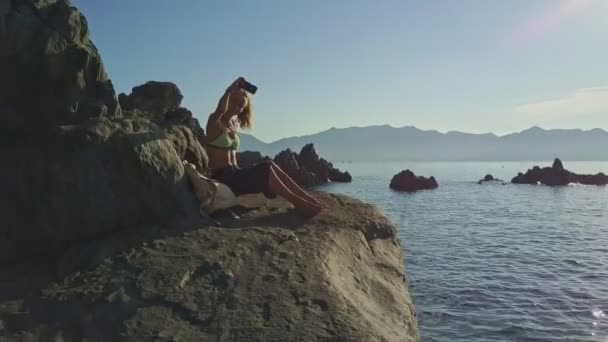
234	112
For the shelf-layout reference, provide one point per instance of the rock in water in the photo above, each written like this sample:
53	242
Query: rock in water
51	72
407	181
308	169
488	178
557	175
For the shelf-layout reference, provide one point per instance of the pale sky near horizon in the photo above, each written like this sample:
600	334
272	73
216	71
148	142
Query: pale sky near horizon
468	65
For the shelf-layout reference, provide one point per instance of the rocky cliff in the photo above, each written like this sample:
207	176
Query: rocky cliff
101	237
271	276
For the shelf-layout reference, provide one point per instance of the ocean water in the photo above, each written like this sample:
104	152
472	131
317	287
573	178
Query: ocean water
497	262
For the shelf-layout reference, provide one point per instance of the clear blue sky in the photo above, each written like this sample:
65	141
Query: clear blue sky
469	65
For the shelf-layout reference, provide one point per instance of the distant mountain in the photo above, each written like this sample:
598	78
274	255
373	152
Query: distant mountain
386	143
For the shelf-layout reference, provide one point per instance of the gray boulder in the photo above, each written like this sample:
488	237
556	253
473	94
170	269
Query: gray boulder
79	182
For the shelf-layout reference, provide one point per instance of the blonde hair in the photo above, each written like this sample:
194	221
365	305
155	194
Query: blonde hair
246	116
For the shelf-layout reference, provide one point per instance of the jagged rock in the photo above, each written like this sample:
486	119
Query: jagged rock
271	276
160	103
187	146
154	98
308	169
558	165
336	175
557	175
183	116
51	72
79	182
308	155
407	181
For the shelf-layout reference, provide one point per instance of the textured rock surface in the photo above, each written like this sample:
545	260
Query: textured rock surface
101	237
160	103
308	169
271	276
407	181
77	182
154	98
557	175
50	71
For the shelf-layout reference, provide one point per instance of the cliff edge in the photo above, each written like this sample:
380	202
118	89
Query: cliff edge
270	276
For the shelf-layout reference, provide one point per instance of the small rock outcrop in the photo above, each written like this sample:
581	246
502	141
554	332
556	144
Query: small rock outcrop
305	168
308	169
154	98
407	181
489	178
557	175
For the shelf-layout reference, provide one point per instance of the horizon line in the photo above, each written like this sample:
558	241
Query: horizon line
535	127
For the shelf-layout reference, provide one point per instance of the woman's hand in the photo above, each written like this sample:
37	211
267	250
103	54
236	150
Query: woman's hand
235	85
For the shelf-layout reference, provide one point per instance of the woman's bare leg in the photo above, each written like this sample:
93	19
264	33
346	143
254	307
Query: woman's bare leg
302	205
292	185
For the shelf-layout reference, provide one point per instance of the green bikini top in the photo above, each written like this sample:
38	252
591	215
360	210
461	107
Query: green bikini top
225	141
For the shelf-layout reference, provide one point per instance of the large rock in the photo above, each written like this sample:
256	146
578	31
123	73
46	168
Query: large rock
557	175
79	182
183	116
50	71
160	103
308	169
407	181
154	98
187	146
270	276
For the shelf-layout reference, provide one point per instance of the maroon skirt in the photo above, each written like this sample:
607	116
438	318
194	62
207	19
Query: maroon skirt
249	180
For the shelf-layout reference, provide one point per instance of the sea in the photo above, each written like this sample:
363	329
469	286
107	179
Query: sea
497	262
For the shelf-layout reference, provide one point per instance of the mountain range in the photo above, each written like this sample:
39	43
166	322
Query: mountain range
387	143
